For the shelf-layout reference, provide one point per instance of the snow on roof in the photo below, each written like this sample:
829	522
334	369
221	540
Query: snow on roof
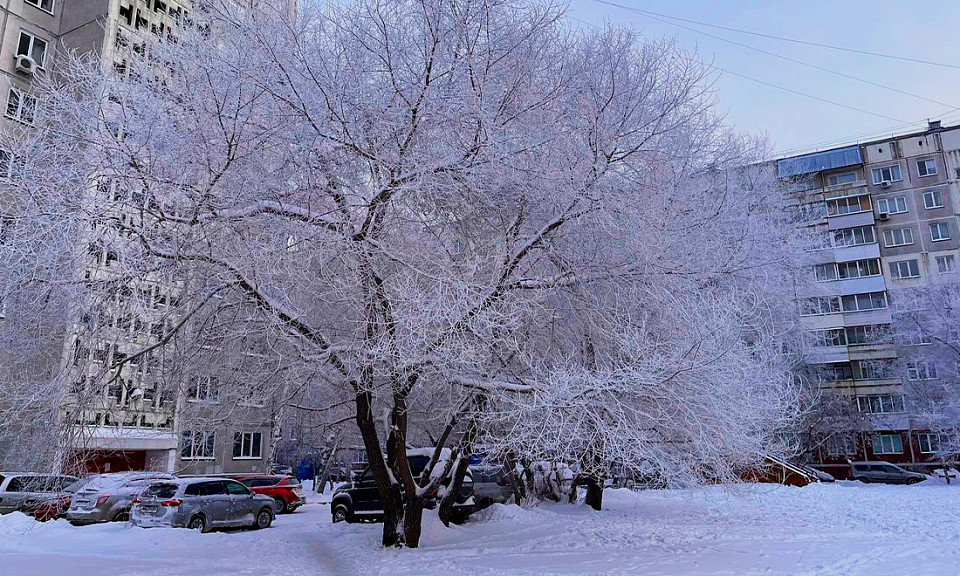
118	438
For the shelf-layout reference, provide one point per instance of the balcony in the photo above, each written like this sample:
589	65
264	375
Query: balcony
827	355
864	218
862	252
861	285
850	189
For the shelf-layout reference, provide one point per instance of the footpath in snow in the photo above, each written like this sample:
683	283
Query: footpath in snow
844	529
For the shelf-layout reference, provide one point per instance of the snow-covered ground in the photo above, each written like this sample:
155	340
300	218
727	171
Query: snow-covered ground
830	529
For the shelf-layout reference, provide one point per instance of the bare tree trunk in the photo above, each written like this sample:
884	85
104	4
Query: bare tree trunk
389	491
572	496
510	462
594	497
328	465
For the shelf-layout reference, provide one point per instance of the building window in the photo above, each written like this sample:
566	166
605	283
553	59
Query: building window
845	178
21	107
854	236
832	337
946	264
921	371
870	334
880	403
887	444
30	45
247	445
825	272
46	5
930	443
196	445
898	237
858	269
905	269
887	174
873	369
896	205
11	166
203	389
864	302
842	445
939	231
820	305
932	199
927	167
848	205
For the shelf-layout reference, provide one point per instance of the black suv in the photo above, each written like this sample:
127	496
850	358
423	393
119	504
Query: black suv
360	500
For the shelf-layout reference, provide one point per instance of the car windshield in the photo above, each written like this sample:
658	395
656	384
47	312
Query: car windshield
161	491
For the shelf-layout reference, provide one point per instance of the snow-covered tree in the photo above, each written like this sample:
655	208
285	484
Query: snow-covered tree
459	217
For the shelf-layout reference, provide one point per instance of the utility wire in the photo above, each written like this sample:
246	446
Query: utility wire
777	86
781	38
782	57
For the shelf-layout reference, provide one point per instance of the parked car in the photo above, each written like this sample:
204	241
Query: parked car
202	504
282	470
884	472
491	485
360	500
51	506
23	490
286	491
108	497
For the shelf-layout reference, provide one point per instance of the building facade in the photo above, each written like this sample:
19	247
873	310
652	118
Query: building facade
134	416
875	217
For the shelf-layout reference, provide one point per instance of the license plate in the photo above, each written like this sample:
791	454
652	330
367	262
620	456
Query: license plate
149	509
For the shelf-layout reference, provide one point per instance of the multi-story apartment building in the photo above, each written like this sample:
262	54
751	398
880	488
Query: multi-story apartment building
126	418
876	216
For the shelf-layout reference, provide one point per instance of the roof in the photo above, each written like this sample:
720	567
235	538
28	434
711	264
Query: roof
809	163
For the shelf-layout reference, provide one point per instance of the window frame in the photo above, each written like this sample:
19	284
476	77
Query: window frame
244	441
921	371
33	39
933	194
207	440
21	97
848	202
847	444
38	4
11	166
897	200
943	258
879	170
891	241
926	171
896	265
881	437
831	178
939	226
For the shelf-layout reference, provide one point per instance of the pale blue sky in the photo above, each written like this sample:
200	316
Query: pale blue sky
921	29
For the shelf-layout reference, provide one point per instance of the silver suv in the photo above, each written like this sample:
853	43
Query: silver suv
18	489
108	497
884	472
202	504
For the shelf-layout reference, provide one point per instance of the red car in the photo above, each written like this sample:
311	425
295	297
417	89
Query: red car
286	491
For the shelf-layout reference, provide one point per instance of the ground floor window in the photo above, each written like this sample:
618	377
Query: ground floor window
196	445
842	445
887	444
932	443
247	445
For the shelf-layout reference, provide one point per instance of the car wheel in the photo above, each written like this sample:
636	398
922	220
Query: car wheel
281	505
197	523
864	479
122	516
913	480
264	519
340	514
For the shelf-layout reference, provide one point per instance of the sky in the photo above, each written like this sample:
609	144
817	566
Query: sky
919	29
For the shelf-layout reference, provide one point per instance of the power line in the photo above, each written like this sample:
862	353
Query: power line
777	86
775	55
781	38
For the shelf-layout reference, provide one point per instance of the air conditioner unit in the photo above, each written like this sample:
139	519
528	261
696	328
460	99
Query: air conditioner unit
26	64
884	184
883	216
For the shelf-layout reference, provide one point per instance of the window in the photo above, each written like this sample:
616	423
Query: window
956	173
46	5
930	443
939	231
873	369
848	205
921	371
946	264
236	488
215	488
896	205
887	174
835	372
825	272
203	388
820	305
858	269
905	269
898	237
247	445
887	444
832	337
854	236
880	403
11	166
932	199
927	167
870	334
33	47
21	106
196	445
863	302
845	178
842	445
808	212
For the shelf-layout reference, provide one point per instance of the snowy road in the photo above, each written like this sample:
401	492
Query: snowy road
844	528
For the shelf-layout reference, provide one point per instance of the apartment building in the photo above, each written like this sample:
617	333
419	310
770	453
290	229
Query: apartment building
134	417
875	216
